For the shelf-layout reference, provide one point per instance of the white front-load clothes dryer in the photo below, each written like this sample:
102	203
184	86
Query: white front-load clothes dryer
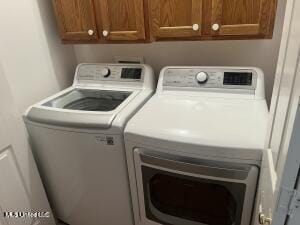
77	139
194	150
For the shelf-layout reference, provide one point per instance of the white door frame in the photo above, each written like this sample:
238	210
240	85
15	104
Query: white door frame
279	158
284	124
284	80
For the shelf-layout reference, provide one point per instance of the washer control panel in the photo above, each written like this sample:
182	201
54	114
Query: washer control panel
210	78
114	73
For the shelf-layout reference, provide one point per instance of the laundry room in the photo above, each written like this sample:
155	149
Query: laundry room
149	112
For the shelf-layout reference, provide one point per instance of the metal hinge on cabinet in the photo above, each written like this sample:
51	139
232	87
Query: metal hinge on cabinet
290	201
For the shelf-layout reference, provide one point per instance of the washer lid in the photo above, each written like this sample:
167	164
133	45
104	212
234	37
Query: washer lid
81	108
214	122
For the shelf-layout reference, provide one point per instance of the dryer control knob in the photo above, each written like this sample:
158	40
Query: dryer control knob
105	72
202	77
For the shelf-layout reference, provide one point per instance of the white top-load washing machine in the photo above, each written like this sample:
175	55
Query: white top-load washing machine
195	148
77	139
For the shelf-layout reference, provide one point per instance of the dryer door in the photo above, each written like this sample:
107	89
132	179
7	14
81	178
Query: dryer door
177	190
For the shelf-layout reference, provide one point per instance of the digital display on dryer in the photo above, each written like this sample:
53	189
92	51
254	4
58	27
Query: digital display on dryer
238	78
131	73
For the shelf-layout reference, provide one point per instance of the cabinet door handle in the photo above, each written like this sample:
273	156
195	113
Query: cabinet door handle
105	33
91	32
215	27
196	27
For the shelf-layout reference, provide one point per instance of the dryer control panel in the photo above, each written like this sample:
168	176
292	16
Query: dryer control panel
210	78
101	73
228	82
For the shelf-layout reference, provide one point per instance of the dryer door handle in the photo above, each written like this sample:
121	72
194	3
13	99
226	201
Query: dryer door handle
196	166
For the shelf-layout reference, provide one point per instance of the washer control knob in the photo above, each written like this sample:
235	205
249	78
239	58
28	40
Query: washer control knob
105	72
202	77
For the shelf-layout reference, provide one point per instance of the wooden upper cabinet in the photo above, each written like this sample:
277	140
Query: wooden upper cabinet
175	18
247	17
76	19
121	20
108	21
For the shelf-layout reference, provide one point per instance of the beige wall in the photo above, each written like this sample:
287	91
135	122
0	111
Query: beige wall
259	53
34	61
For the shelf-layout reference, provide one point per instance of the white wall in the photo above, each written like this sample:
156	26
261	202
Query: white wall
259	53
35	63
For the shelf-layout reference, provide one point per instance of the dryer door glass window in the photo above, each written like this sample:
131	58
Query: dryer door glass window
175	199
89	100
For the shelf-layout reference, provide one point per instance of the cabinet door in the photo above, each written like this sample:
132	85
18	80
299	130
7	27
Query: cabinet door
76	19
247	17
121	19
175	18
